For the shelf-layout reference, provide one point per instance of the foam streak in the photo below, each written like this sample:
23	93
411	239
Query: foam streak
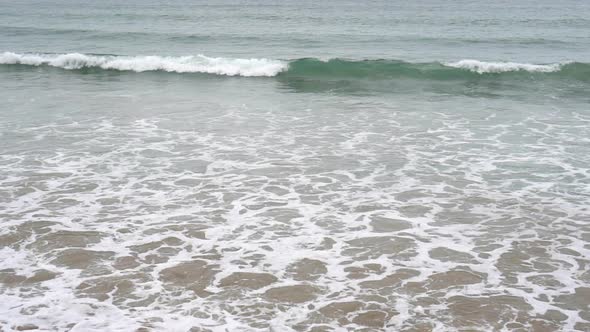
482	67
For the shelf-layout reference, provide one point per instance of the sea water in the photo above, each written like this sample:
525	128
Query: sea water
242	165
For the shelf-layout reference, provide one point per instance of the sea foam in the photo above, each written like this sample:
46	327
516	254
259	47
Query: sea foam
482	67
182	64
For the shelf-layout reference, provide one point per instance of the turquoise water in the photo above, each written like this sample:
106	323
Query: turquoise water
264	166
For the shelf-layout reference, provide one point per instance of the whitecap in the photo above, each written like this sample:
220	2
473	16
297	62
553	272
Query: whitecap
182	64
482	67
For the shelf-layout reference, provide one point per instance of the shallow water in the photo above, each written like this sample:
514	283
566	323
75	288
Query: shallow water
348	195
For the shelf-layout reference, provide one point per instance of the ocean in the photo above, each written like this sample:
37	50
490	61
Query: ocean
258	165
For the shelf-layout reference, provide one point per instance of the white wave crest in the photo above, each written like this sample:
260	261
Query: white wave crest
183	64
482	67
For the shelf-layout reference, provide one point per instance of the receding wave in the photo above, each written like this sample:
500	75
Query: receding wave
301	68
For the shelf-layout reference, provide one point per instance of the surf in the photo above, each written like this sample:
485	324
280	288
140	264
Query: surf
182	64
311	68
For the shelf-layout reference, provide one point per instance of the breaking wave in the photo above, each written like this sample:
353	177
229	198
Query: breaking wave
305	68
183	64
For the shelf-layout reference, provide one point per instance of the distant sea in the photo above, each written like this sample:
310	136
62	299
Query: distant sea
257	165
